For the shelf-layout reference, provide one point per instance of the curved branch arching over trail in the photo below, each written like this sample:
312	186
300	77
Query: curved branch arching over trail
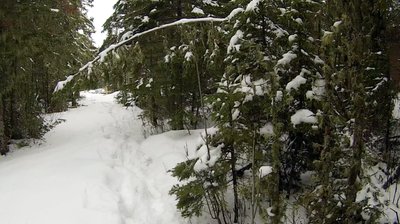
101	55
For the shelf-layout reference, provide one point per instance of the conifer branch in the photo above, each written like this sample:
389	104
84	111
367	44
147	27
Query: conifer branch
100	57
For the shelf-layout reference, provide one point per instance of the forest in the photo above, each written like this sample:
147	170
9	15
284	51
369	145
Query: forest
297	99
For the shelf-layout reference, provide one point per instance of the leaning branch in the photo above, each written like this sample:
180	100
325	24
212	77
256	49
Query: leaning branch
103	54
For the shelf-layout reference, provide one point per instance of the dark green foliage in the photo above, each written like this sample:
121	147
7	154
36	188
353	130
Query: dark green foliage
345	84
256	72
190	198
161	69
40	42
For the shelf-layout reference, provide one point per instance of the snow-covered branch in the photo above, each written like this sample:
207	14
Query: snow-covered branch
103	54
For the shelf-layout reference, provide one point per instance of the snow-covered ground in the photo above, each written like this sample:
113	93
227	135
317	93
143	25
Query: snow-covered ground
94	168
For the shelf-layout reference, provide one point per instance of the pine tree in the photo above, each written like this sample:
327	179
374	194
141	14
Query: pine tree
356	82
33	59
170	58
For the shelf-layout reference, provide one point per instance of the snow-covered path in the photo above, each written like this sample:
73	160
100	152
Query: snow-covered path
94	168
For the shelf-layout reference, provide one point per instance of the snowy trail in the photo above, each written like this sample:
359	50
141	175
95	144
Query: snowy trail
94	168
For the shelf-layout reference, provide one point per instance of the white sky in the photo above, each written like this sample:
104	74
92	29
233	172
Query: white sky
102	9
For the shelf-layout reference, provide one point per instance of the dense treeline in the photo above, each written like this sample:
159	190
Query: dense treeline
161	72
40	43
298	94
292	88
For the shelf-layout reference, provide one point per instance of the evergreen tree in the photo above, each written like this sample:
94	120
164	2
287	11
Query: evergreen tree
356	86
40	42
171	59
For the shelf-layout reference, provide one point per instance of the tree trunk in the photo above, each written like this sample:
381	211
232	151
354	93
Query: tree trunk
394	56
235	185
3	137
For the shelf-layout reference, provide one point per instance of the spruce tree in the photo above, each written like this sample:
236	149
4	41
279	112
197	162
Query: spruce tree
356	82
40	43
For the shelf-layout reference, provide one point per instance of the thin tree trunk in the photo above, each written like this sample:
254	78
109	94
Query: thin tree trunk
235	190
202	107
253	187
3	137
355	171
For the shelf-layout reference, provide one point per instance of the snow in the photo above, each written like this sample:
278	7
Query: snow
235	114
337	23
188	56
303	116
55	10
140	83
149	83
279	32
265	171
167	58
96	167
197	11
396	108
318	90
327	34
279	96
267	130
210	2
318	60
372	193
145	19
258	86
61	84
296	83
234	13
126	35
233	43
252	6
101	56
299	21
292	38
287	58
203	162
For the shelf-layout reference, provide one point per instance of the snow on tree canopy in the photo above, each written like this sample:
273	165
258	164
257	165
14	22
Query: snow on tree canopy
145	19
101	56
287	58
203	162
265	171
233	43
61	84
292	38
252	6
296	83
396	108
188	56
251	88
318	90
197	11
337	23
235	114
210	2
234	13
299	21
318	60
303	116
268	129
279	96
126	35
